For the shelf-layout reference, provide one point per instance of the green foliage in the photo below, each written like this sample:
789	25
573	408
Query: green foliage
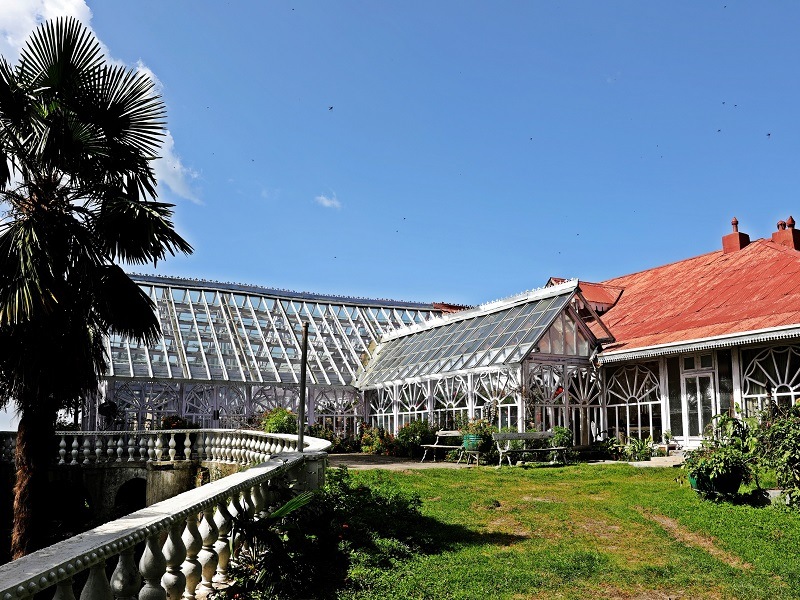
376	440
638	450
561	437
339	443
272	561
177	422
724	455
412	435
778	447
279	420
483	429
307	547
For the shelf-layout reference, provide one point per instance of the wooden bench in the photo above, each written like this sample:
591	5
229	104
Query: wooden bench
504	441
439	444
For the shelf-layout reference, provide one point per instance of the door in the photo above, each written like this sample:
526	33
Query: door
700	402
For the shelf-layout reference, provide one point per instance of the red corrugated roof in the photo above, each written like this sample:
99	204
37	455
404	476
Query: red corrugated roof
593	292
706	296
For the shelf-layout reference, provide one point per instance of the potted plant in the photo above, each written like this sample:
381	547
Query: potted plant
722	463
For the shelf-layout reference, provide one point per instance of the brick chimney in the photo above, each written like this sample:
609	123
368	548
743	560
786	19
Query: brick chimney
787	235
735	241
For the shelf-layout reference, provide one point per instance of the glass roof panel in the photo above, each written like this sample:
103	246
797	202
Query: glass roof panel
502	336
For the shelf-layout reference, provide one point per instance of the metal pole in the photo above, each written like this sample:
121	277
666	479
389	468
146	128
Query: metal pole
301	407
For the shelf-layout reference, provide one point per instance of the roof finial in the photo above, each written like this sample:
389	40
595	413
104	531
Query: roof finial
790	222
735	223
781	225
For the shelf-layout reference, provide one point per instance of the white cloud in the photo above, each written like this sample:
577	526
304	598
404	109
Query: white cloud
170	171
19	17
328	201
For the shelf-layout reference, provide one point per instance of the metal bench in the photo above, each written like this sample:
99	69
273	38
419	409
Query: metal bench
440	445
504	440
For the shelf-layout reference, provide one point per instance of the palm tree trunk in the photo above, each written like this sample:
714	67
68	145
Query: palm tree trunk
32	507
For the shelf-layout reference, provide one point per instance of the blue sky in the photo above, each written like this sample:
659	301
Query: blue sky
460	151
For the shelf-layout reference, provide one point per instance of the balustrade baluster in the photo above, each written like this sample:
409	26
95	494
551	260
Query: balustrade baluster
235	509
62	450
152	567
98	448
249	455
87	450
159	446
125	580
120	447
131	447
151	453
236	448
64	590
174	581
247	504
191	567
209	448
142	447
228	450
74	450
207	555
172	445
187	446
111	449
224	522
257	499
97	586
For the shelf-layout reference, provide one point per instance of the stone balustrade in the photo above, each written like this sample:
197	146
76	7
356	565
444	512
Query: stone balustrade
238	446
186	546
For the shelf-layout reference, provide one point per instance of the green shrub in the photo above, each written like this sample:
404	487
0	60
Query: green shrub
777	445
376	440
339	444
309	549
561	437
639	450
412	435
279	420
723	456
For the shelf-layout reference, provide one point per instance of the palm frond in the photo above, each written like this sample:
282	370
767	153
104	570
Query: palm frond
136	231
123	307
58	56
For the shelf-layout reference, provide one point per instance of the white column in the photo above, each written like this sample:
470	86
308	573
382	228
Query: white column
736	371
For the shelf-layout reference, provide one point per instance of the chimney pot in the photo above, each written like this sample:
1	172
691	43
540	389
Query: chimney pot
787	235
734	241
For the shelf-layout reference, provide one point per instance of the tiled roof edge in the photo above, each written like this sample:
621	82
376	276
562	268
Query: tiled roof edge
721	341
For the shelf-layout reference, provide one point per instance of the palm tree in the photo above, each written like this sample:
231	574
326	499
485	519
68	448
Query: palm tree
77	139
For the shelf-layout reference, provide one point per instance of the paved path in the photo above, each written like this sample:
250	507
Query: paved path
358	462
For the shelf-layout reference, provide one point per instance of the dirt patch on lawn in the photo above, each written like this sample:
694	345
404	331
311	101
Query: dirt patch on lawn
696	540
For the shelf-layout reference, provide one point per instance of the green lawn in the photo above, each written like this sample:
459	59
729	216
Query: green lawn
584	531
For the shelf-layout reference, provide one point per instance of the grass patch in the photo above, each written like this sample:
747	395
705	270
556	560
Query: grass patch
581	531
